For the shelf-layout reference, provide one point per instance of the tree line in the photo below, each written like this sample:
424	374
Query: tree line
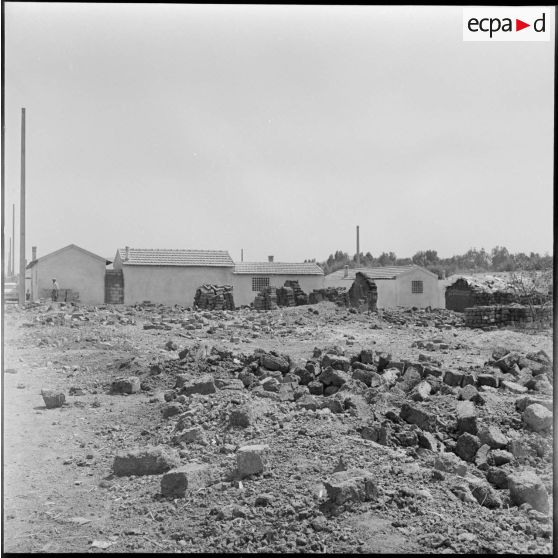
473	261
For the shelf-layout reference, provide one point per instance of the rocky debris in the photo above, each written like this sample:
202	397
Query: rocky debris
192	476
421	391
527	488
144	461
537	417
126	385
467	446
273	361
52	398
354	485
493	437
484	494
514	387
171	410
523	402
414	414
191	435
466	417
241	417
333	377
204	385
251	460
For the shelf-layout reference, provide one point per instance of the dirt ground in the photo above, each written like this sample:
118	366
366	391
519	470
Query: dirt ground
61	495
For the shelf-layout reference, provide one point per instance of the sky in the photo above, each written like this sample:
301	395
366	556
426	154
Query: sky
275	129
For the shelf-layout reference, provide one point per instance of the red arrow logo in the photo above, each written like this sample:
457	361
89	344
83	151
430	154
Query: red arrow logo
519	25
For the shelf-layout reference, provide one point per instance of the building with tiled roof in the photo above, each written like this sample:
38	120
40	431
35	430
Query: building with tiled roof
165	276
145	256
249	278
397	286
277	268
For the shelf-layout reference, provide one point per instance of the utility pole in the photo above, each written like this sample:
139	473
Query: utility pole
13	239
22	216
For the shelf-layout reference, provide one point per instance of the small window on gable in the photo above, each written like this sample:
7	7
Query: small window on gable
258	283
417	287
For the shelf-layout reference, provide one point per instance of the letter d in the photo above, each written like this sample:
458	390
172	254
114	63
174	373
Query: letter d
535	25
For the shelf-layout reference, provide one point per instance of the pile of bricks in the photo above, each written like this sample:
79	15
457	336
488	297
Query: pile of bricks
511	315
214	297
291	295
266	299
338	295
300	296
285	296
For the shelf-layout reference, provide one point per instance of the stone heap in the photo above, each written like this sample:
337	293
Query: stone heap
291	295
511	315
339	295
266	299
214	297
300	296
285	296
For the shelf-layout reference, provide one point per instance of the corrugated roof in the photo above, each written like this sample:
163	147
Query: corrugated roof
277	268
198	258
388	272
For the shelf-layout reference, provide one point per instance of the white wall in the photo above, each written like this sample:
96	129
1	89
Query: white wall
430	296
244	295
73	269
169	284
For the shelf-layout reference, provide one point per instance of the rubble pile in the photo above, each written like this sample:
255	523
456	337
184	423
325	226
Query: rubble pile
214	297
266	299
301	298
285	296
338	295
291	295
418	436
511	315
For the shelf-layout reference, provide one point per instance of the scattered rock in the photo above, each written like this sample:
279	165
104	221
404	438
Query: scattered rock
131	384
251	460
467	446
52	398
527	487
537	417
144	461
192	476
355	485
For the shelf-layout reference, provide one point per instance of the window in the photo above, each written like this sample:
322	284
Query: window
416	287
258	283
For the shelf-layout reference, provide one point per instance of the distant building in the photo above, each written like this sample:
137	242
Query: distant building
166	276
405	285
249	278
80	275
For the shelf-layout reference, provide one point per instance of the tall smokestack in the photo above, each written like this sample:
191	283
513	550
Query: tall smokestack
22	216
10	259
242	254
33	253
358	247
127	257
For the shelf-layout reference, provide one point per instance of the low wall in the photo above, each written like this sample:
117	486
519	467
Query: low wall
511	315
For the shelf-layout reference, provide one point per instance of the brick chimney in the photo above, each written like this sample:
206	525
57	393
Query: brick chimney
270	259
33	253
127	257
